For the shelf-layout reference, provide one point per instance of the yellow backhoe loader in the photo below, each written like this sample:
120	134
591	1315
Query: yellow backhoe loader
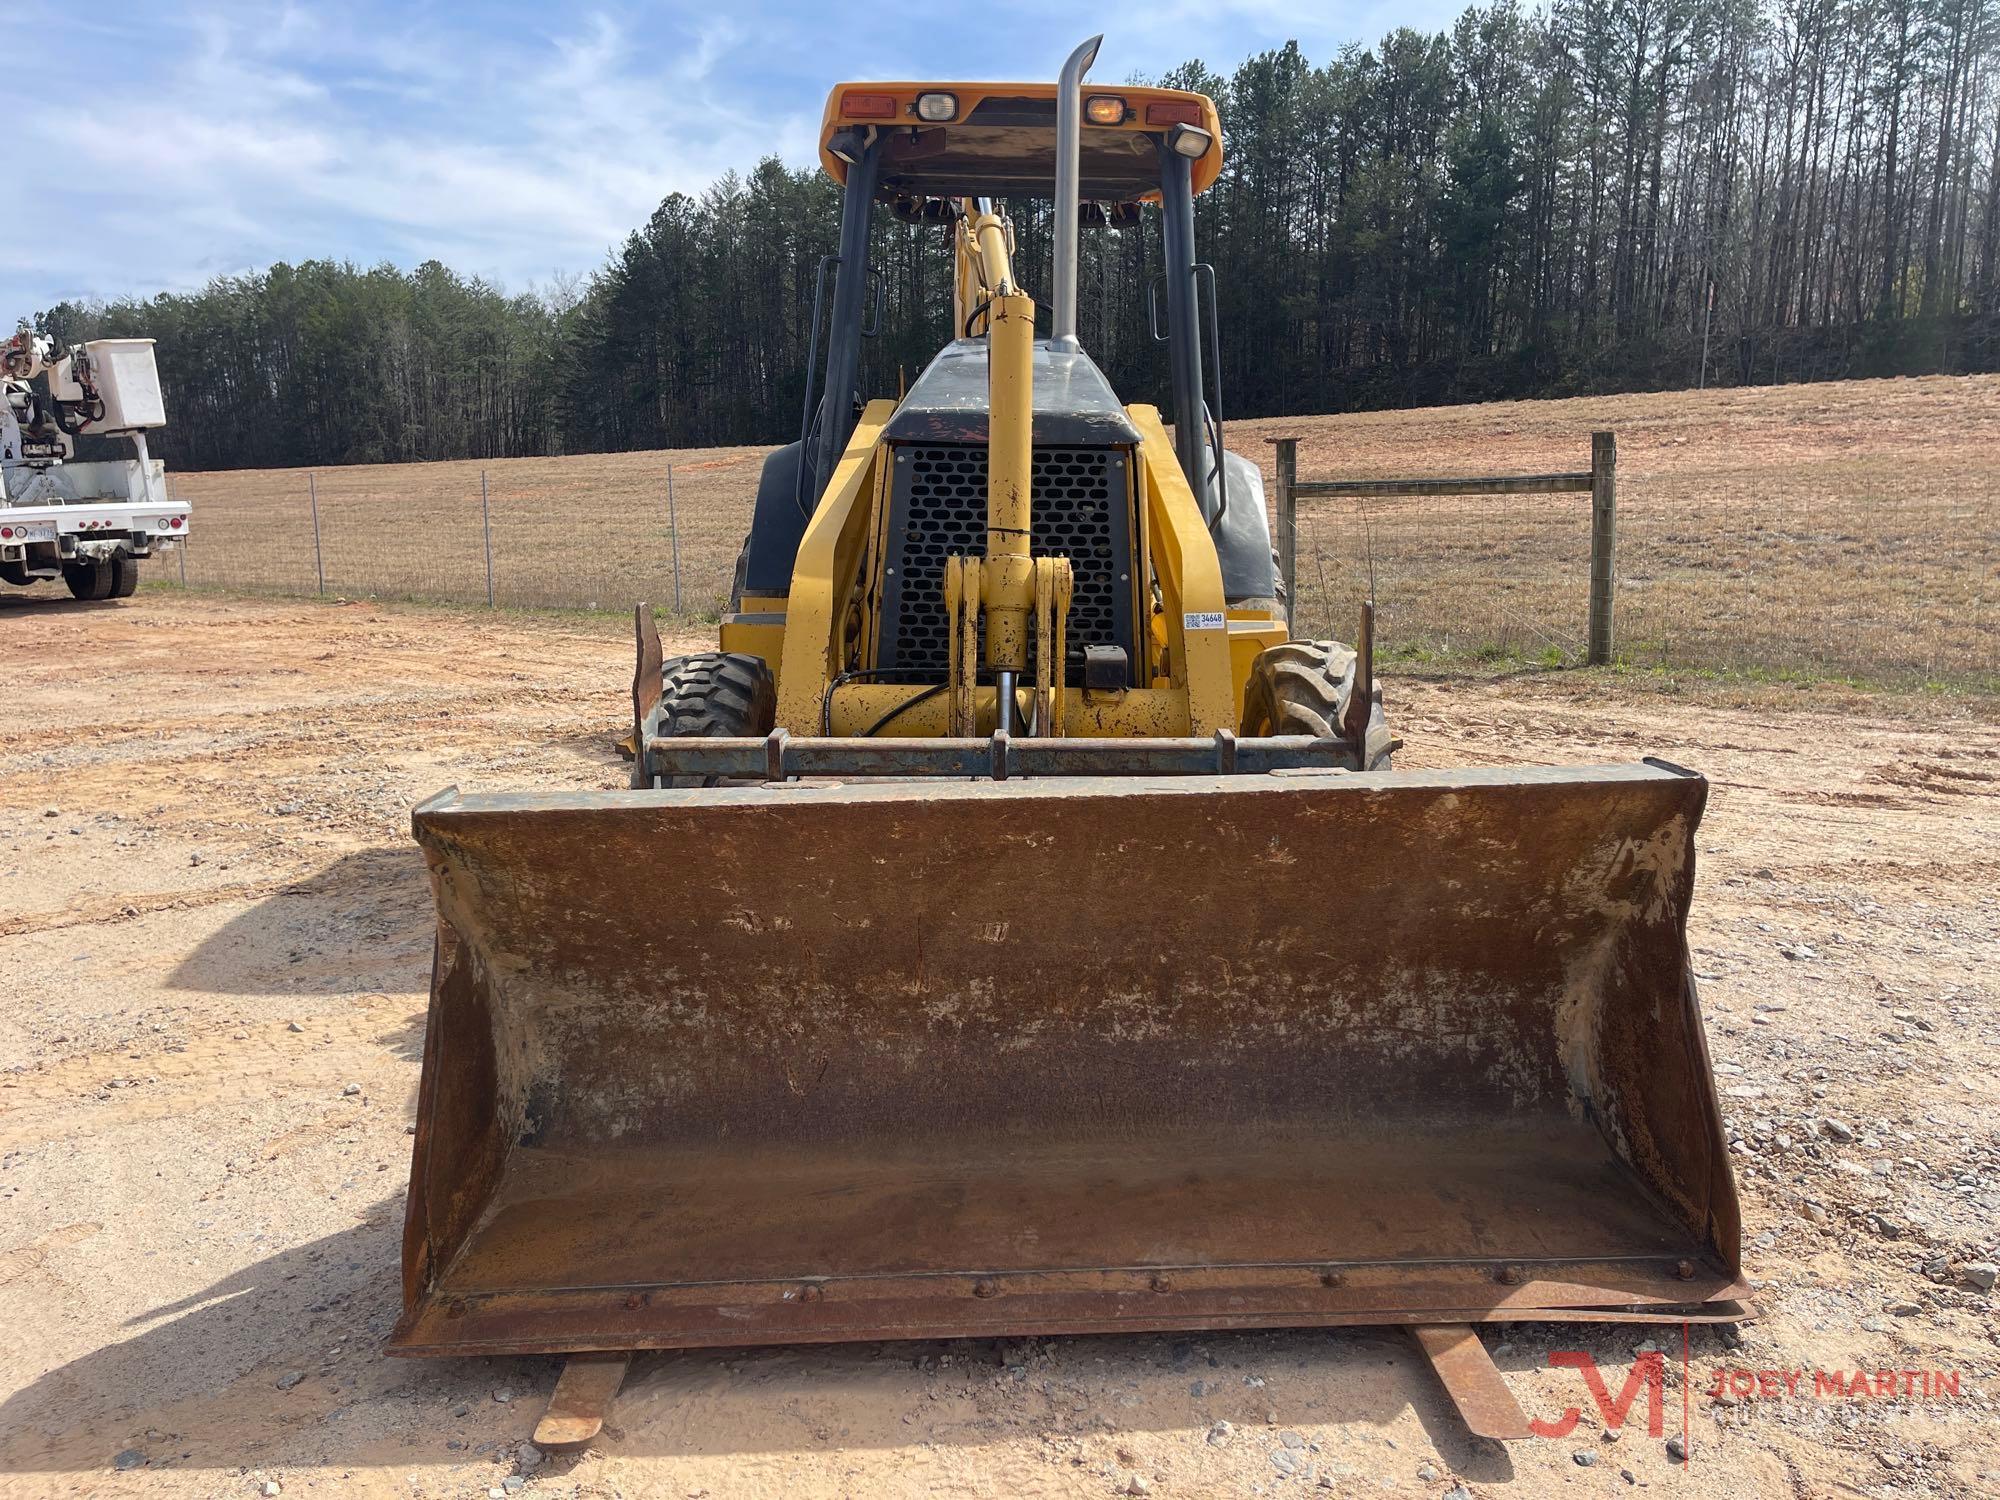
1011	929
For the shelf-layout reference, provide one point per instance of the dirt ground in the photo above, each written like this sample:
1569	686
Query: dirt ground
214	947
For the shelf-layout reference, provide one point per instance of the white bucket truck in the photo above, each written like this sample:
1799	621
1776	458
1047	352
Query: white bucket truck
89	523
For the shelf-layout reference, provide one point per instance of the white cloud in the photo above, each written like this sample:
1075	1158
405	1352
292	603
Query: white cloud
327	133
508	138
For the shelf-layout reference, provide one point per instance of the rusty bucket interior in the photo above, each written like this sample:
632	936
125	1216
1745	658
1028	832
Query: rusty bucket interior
887	1060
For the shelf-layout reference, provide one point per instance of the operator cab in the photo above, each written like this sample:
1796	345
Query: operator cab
931	153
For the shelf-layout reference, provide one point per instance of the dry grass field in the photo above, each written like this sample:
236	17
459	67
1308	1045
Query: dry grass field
1847	530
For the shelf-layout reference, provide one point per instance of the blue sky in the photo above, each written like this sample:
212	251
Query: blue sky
168	141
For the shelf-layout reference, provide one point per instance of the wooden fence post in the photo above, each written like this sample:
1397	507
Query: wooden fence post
674	536
1288	521
319	557
1603	542
486	529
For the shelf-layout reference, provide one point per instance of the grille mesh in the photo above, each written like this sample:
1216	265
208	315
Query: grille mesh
938	509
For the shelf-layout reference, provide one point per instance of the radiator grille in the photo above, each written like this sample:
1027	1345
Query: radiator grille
937	508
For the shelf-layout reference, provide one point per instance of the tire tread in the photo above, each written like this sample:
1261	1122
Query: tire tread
1303	687
715	695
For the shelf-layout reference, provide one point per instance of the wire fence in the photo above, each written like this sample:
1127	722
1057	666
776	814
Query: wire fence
1469	577
1861	570
526	534
1894	584
1880	582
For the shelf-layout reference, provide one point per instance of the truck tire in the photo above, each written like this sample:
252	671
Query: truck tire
90	580
716	694
1303	687
124	576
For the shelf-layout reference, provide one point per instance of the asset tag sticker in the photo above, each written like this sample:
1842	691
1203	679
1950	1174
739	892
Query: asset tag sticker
1204	620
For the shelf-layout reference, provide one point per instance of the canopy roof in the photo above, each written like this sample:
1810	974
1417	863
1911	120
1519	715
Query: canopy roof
1002	140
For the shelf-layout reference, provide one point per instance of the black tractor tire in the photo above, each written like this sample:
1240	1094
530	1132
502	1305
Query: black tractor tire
124	576
92	580
1303	687
717	694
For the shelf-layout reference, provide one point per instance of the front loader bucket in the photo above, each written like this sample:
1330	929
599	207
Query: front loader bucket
808	1062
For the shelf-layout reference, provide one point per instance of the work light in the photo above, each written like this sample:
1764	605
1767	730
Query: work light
937	108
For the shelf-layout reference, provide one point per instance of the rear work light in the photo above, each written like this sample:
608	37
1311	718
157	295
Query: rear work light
1104	109
1173	112
868	106
937	108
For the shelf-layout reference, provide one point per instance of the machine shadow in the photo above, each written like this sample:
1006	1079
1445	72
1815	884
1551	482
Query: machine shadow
362	923
202	1371
598	745
197	1386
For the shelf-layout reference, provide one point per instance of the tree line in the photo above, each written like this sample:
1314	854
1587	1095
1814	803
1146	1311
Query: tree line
1592	195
